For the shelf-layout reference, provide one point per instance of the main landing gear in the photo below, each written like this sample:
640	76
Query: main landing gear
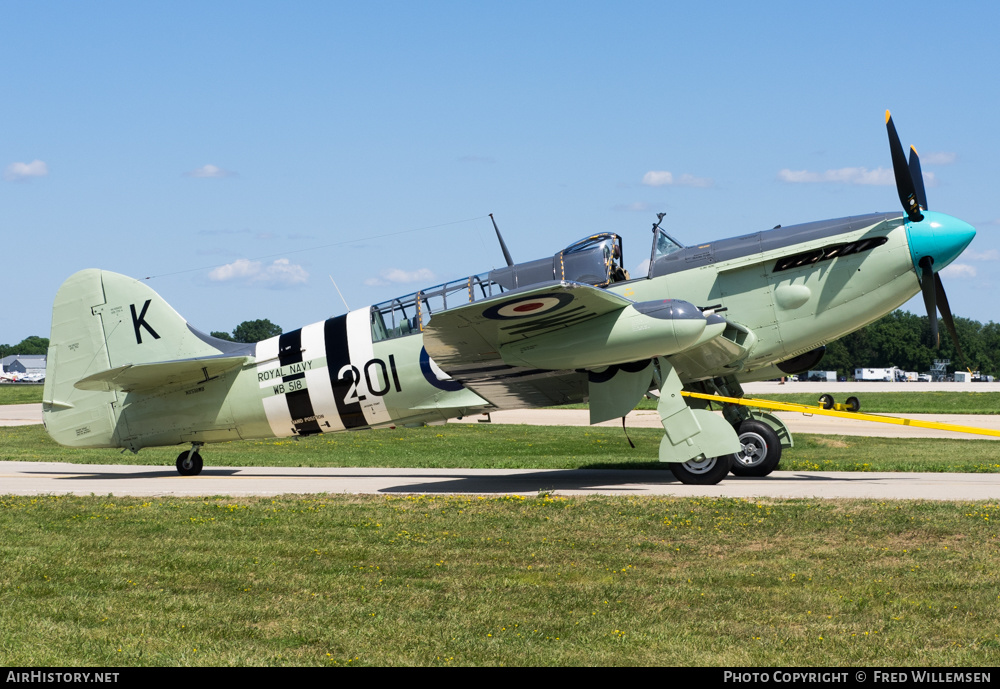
759	456
761	449
702	472
189	462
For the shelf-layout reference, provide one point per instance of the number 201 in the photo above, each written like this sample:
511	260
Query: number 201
350	374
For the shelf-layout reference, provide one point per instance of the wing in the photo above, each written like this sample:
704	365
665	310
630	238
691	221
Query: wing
563	342
466	341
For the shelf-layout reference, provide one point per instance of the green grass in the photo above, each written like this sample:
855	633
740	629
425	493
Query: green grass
448	580
459	580
486	446
20	393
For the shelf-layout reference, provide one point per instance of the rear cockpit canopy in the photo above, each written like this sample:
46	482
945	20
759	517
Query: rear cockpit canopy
595	260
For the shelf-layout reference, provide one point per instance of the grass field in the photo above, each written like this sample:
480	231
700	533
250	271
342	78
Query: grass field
482	446
458	580
20	393
353	580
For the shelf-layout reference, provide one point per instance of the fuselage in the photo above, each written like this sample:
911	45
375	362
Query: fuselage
786	291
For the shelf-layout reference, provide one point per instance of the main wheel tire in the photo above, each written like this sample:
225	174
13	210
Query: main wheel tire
761	450
702	472
189	463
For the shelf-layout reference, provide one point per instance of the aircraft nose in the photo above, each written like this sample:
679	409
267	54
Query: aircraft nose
939	236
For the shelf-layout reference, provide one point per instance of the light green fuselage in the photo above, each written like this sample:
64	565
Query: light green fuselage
331	376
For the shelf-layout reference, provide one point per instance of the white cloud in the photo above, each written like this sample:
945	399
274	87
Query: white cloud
210	171
959	270
939	158
657	178
277	274
18	172
845	175
402	277
663	178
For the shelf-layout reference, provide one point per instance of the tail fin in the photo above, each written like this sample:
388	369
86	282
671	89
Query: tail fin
100	321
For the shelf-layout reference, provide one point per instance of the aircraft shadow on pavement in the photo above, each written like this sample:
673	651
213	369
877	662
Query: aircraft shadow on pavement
534	482
531	481
577	479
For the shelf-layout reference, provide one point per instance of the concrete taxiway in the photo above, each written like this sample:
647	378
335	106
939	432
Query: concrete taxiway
20	414
48	478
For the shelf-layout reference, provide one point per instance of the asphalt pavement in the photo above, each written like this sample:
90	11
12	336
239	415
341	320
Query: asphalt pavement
50	478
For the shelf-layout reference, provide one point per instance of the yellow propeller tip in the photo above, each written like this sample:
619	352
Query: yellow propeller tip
887	116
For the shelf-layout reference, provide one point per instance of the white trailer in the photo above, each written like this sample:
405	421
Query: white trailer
886	375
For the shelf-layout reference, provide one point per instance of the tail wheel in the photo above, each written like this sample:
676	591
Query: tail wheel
761	450
189	463
702	472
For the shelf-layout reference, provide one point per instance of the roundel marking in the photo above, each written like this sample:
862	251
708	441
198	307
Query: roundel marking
529	306
523	308
435	376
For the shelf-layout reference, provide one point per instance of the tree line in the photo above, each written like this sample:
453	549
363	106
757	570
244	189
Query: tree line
901	339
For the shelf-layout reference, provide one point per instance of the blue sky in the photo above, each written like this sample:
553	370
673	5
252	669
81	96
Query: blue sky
240	153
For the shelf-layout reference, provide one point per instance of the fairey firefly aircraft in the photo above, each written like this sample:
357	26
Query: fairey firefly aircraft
125	370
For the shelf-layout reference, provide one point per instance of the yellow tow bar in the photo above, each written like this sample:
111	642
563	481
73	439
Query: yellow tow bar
808	409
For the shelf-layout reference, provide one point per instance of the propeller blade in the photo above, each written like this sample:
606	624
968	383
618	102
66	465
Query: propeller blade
949	321
918	178
904	181
930	297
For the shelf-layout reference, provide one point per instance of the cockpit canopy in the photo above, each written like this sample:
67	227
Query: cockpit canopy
594	260
591	260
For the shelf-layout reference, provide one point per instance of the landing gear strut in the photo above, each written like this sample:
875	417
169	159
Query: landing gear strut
189	462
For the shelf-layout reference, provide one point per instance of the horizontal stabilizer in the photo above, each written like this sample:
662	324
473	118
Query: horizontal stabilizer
159	375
